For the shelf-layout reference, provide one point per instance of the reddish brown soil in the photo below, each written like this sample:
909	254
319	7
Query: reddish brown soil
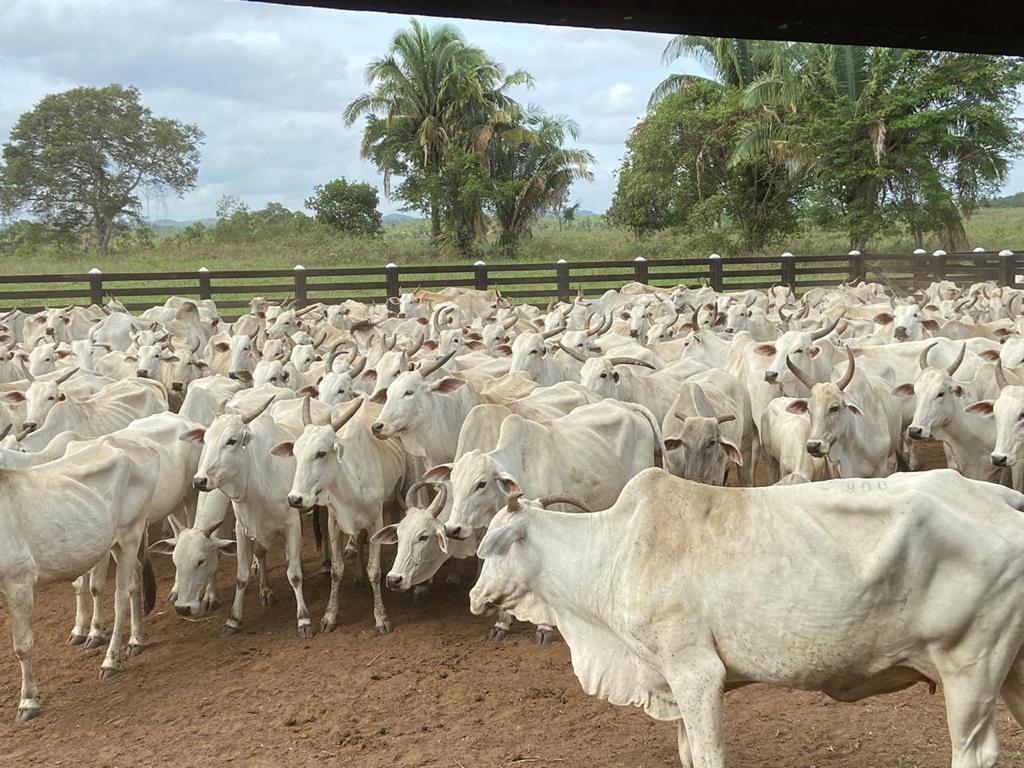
436	692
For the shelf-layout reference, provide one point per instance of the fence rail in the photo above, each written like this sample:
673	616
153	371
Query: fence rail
535	282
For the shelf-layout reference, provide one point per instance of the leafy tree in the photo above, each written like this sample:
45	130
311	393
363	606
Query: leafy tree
561	209
430	93
733	63
347	207
80	158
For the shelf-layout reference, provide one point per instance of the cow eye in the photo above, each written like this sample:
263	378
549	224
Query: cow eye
481	485
604	375
940	394
408	393
320	454
200	561
834	409
533	351
422	537
231	441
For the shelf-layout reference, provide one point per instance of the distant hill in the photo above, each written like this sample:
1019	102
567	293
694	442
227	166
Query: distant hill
399	218
1009	201
176	225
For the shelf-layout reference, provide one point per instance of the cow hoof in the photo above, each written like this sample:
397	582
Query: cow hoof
383	629
94	641
498	634
108	672
211	605
327	626
305	632
27	713
135	649
74	639
545	636
229	631
267	599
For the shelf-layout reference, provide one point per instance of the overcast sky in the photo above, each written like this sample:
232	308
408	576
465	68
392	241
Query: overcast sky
267	84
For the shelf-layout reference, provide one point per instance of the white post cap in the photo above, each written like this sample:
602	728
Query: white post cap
95	271
299	266
1005	252
391	265
714	256
203	269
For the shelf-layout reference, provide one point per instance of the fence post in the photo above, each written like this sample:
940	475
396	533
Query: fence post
1007	268
392	288
204	284
562	274
715	272
480	275
939	265
300	285
856	270
640	269
96	286
788	269
917	271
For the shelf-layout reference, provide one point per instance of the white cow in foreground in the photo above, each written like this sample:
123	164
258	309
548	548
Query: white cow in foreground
875	585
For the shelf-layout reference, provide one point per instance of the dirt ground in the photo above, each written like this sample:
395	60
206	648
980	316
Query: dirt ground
436	692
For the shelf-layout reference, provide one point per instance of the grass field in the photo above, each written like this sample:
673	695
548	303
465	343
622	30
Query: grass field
407	243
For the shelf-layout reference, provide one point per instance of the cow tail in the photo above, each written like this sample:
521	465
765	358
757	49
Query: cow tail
148	576
318	531
659	440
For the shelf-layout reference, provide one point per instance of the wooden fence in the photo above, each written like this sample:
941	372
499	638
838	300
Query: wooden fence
534	282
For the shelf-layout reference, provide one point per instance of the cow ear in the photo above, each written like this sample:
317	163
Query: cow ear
508	485
309	390
447	385
442	540
883	318
164	546
474	345
765	350
284	449
615	376
813	351
422	320
13	397
196	435
437	474
958	391
131	358
220	346
504	349
673	443
498	541
370	374
380	396
904	390
931	325
430	344
201	366
226	546
797	406
991	354
731	451
386	535
980	408
855	410
246	438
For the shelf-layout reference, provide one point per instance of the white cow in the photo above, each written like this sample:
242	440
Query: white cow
661	598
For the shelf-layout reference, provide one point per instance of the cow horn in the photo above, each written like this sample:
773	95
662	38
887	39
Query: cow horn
551	305
332	355
346	417
551	333
696	319
65	376
800	374
675	319
726	417
513	501
826	331
305	310
307	416
557	498
609	320
959	359
23	434
848	376
417	345
572	353
248	419
412	489
922	360
437	505
510	323
437	365
1000	375
390	344
784	319
355	370
631	361
7	431
210	529
600	322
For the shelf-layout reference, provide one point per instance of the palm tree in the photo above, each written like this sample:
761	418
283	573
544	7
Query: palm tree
430	89
529	169
732	62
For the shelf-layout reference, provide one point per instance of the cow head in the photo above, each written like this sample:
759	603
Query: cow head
194	552
700	451
224	463
938	394
422	546
1007	410
829	406
480	487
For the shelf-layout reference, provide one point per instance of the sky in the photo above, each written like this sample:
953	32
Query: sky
267	84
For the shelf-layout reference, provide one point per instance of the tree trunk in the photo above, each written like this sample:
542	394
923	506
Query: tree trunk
435	223
104	228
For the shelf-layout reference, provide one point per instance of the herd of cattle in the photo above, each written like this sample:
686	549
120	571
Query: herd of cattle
581	453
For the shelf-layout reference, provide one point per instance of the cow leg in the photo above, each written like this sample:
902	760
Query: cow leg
321	523
124	582
135	639
1013	690
380	616
97	583
358	542
266	593
698	692
81	629
545	634
502	626
19	597
970	717
243	556
293	548
330	619
685	756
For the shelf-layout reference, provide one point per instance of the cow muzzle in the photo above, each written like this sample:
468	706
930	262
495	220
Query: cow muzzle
201	483
771	376
297	501
378	430
1000	460
177	386
900	333
183	610
455	532
142	374
394	581
817	448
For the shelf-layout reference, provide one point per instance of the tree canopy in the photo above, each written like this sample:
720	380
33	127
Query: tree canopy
79	159
349	207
